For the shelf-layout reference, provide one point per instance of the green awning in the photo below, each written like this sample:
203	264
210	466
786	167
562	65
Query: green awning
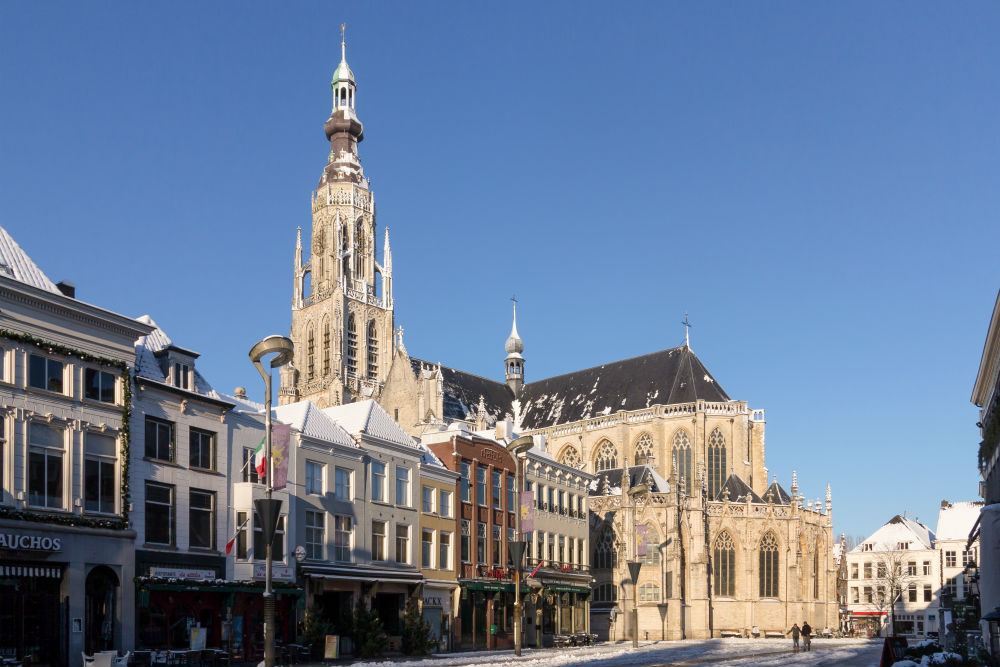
491	586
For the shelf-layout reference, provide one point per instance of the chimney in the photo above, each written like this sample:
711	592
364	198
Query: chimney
67	288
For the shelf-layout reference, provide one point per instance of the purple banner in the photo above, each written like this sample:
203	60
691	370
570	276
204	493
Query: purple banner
527	511
640	533
280	435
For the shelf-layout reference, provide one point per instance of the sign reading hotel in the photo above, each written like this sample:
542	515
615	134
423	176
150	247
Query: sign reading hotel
17	541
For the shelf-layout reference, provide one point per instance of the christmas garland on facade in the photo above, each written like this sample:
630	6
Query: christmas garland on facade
88	522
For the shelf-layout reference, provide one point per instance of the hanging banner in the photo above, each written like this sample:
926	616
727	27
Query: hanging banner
640	534
280	435
527	511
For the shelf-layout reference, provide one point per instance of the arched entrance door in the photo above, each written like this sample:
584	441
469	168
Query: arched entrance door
102	598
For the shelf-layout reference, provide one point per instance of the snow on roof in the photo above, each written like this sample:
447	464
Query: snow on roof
243	404
310	421
15	263
148	367
371	418
428	458
899	529
955	520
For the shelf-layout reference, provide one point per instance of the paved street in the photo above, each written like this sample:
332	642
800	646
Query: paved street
716	652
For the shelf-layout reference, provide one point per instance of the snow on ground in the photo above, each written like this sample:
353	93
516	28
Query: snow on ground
716	652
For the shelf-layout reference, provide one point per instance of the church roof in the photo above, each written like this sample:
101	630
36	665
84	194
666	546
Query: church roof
738	491
665	377
462	391
779	495
15	263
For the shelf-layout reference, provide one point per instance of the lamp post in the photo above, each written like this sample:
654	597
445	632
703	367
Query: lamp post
517	448
635	565
268	509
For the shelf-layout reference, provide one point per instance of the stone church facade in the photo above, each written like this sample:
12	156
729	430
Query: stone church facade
676	460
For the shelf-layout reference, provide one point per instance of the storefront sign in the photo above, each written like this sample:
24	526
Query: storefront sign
277	572
432	601
17	541
331	650
181	573
491	455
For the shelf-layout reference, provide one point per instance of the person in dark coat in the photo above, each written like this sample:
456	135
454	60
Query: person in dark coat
806	636
794	631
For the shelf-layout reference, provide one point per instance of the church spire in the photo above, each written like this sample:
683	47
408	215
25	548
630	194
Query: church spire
515	361
343	129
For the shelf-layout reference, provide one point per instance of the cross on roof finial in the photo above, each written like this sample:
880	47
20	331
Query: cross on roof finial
687	330
514	299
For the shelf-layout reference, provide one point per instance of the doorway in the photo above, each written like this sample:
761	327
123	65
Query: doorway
100	609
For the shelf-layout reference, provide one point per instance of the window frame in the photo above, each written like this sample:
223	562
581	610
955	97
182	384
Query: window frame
315	534
378	541
315	474
378	481
201	511
171	444
49	375
171	512
89	374
343	538
103	461
402	486
49	453
200	434
343	479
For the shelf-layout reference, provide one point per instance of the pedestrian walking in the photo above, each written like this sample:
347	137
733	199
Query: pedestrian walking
794	631
806	636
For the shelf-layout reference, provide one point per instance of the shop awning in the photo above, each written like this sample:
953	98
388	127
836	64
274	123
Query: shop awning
495	586
30	571
358	574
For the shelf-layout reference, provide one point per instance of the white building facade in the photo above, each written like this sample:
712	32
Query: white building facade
66	552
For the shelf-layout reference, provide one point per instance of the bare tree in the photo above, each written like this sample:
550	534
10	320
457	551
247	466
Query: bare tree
892	578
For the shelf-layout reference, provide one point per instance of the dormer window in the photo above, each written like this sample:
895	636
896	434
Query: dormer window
902	546
866	547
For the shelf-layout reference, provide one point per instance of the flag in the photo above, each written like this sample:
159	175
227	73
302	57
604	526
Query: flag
641	532
280	435
230	543
527	511
537	568
259	460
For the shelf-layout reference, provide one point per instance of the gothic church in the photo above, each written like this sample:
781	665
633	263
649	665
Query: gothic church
677	460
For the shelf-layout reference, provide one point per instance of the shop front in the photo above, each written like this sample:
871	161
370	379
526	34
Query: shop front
437	609
486	613
556	608
64	590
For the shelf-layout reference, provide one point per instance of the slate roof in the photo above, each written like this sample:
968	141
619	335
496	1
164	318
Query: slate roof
666	377
779	495
612	480
310	421
738	491
148	367
15	263
955	521
462	391
371	418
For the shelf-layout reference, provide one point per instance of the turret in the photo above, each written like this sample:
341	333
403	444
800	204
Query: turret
297	287
514	363
343	129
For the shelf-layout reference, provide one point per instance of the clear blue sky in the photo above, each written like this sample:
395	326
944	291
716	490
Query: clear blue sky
816	185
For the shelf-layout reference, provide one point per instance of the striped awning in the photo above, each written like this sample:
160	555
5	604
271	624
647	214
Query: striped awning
30	571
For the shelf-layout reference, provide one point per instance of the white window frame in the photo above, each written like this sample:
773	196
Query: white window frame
315	549
378	481
47	451
318	472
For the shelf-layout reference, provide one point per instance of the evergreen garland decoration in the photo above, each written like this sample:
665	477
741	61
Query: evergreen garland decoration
88	522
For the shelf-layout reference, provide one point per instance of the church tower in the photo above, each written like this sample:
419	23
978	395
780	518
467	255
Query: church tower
342	310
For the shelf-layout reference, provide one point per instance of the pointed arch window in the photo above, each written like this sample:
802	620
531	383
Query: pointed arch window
816	572
644	450
326	347
359	251
605	553
716	463
311	354
652	556
570	457
345	245
352	346
606	457
724	566
768	570
681	455
372	342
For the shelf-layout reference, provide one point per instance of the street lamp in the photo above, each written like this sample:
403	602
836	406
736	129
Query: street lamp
517	448
268	509
634	566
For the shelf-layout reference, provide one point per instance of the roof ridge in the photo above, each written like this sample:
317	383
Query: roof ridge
458	370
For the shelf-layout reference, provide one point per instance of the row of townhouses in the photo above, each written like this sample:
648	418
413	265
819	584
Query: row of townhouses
127	517
908	580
